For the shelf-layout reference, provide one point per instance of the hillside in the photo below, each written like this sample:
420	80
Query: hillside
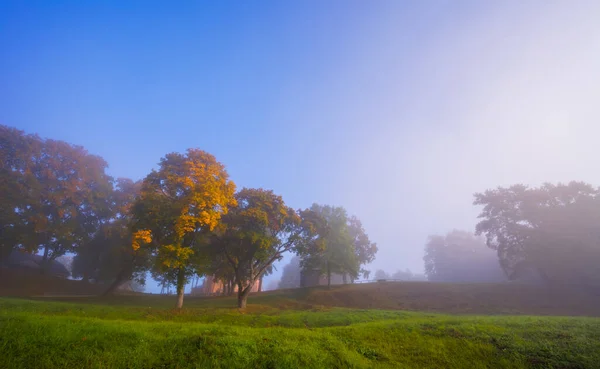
460	298
139	332
412	296
26	283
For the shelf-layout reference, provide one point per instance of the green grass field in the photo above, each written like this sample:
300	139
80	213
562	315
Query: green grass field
281	330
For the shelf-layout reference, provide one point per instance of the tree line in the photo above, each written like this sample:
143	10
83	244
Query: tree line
183	220
552	230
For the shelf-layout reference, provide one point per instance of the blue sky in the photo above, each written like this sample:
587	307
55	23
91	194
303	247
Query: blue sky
397	110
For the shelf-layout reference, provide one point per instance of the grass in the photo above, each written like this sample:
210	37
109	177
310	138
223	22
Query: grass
280	330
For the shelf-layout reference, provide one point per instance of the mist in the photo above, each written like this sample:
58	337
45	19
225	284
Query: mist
397	111
503	94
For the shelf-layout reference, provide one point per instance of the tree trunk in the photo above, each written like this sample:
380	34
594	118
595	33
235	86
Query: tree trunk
44	263
123	275
113	286
242	301
328	275
180	288
344	278
260	284
243	295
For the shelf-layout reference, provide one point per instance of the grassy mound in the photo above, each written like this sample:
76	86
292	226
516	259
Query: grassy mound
462	298
139	332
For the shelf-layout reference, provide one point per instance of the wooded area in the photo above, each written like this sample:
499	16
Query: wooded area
183	220
187	219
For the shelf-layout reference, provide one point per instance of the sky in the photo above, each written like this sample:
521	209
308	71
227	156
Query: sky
397	110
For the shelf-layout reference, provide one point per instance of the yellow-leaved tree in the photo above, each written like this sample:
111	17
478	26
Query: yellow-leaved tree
178	204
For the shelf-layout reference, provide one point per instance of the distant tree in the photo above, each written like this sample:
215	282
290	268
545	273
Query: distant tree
403	275
290	278
220	270
165	280
461	257
178	205
108	257
257	232
380	274
553	228
346	245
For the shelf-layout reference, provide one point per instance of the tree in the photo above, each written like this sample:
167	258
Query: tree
364	249
553	228
290	277
16	149
402	275
178	205
108	257
257	232
381	274
57	195
460	256
346	245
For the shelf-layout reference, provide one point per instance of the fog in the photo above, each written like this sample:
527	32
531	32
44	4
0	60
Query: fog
397	111
504	94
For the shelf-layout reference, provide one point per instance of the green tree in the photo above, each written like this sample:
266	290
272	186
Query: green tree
364	249
346	245
257	232
178	205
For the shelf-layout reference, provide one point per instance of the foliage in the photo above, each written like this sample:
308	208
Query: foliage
290	277
402	275
109	257
553	228
14	160
347	246
178	204
257	232
381	274
59	194
460	256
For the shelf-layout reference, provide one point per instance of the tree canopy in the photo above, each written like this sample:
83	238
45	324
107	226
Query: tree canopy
258	231
58	194
460	256
178	204
346	245
553	228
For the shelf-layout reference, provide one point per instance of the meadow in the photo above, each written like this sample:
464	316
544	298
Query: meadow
297	328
